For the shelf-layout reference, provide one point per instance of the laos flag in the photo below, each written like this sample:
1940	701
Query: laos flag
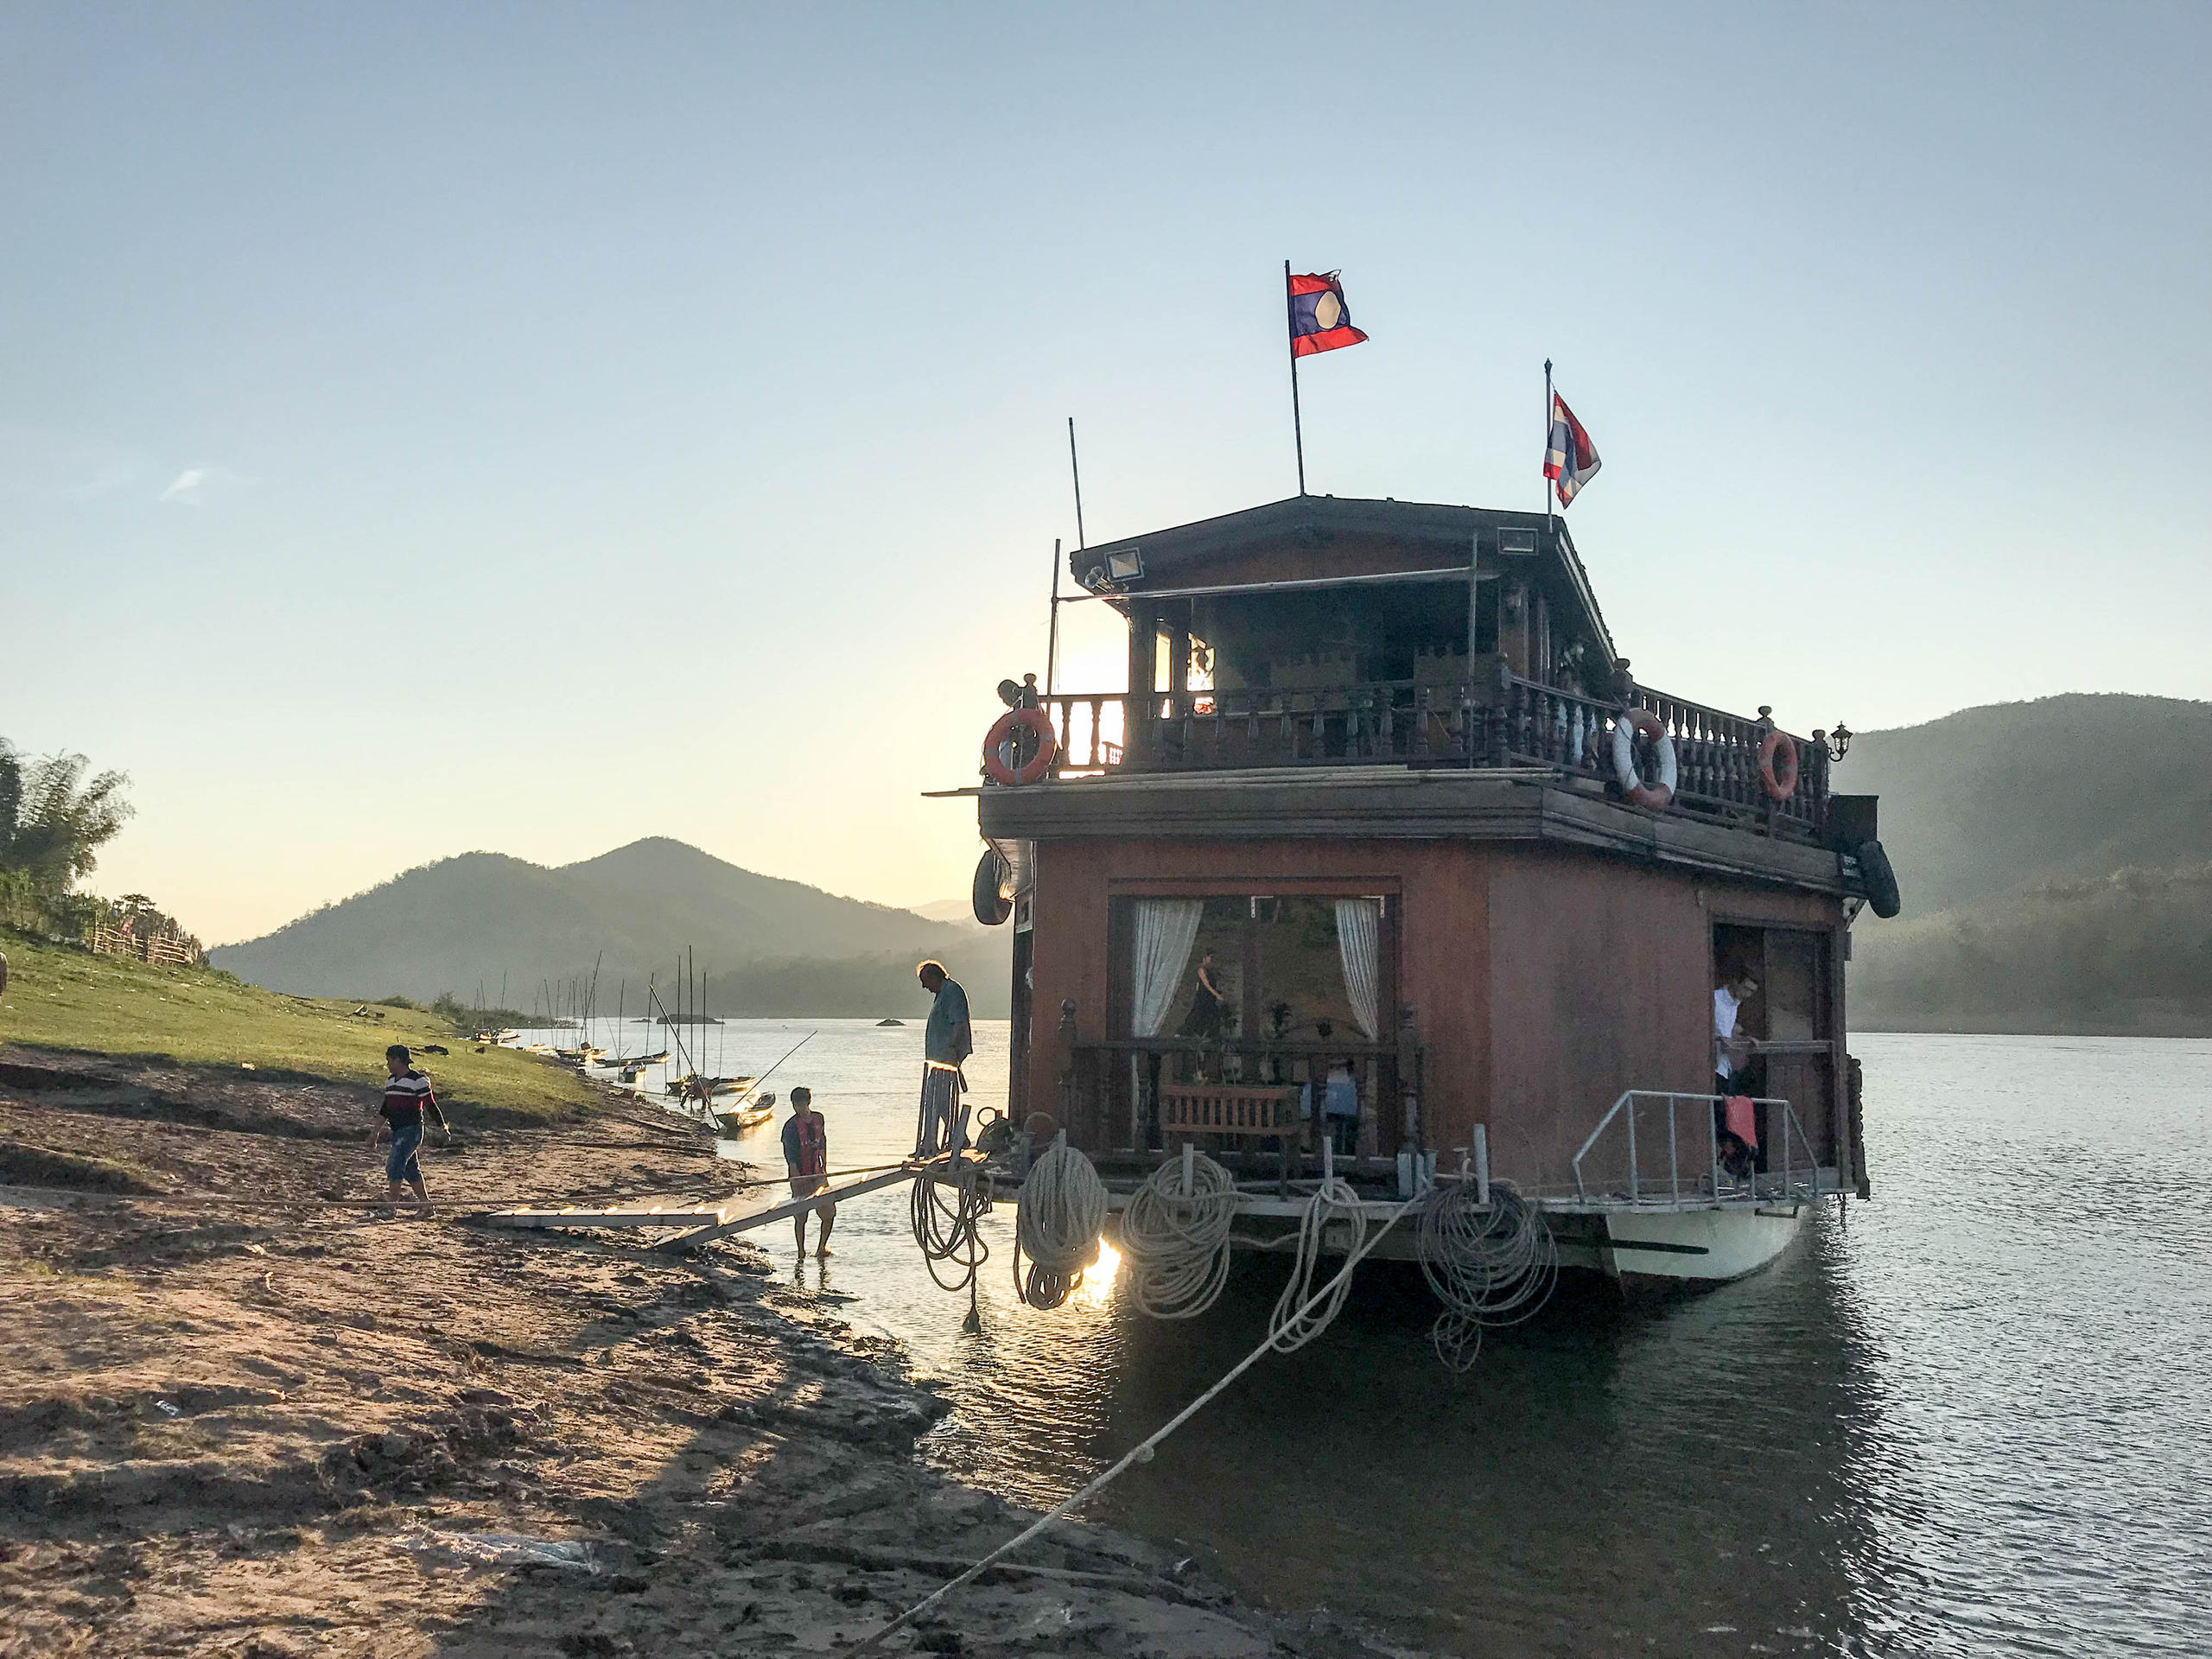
1320	321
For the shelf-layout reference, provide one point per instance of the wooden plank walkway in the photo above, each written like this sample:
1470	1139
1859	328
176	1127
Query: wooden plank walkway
700	1221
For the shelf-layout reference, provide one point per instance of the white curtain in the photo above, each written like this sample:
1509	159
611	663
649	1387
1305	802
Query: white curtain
1165	930
1359	934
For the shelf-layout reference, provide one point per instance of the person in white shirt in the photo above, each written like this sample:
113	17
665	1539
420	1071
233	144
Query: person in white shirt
1730	1051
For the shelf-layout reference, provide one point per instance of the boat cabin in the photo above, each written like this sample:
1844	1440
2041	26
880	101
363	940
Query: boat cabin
1384	823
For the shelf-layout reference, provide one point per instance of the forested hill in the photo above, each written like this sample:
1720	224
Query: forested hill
773	946
2055	859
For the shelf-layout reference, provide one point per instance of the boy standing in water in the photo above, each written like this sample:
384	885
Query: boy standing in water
406	1096
806	1156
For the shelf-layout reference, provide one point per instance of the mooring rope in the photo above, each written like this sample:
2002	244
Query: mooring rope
1140	1452
1176	1239
1061	1213
1492	1266
1300	1314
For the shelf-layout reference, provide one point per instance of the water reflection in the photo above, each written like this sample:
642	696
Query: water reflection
1971	1418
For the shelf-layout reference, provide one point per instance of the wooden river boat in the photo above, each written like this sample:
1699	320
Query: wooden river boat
1384	776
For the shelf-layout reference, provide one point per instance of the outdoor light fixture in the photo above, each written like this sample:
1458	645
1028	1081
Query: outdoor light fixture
1522	542
1838	742
1125	564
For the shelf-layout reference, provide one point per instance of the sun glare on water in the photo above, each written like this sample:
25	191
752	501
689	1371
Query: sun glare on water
1098	1287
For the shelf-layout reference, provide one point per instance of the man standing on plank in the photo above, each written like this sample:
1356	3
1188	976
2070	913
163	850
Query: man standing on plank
806	1157
946	1043
406	1096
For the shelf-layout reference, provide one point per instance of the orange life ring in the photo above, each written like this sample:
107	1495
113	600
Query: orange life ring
1048	746
1780	783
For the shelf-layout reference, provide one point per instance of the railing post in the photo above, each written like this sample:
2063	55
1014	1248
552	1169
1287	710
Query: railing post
1634	1195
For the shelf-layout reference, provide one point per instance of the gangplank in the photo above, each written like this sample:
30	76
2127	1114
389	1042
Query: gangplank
697	1224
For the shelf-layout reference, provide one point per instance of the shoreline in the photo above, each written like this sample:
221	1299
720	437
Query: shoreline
284	1424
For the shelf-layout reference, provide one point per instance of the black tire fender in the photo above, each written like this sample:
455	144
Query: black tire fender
988	895
1881	881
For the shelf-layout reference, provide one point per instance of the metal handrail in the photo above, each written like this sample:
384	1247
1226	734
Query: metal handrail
1789	1185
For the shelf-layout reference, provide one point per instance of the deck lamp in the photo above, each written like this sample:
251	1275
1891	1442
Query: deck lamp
1125	564
1837	743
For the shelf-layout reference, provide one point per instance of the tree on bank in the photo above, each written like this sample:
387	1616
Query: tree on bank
53	822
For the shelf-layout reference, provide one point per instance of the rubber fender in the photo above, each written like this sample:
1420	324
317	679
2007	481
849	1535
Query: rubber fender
1881	881
989	898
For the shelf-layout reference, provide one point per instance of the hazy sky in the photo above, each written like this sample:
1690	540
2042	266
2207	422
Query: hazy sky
427	428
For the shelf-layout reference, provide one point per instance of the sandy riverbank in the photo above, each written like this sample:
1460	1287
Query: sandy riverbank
274	1425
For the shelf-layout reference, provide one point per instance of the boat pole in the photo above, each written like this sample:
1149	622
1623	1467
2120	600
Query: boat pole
1052	632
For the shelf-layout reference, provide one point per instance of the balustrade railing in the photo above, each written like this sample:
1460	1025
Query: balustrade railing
1515	723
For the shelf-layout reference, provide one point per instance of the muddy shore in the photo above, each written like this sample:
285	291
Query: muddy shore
247	1413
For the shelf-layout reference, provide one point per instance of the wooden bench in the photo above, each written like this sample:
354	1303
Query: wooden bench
1261	1111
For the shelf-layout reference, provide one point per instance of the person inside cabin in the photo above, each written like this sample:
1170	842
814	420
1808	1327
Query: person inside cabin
947	1042
806	1158
1339	1108
407	1095
1208	1008
1731	1051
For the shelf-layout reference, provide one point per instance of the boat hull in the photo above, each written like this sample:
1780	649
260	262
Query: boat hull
1697	1246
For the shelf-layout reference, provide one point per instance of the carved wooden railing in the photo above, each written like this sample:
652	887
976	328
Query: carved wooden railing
1515	722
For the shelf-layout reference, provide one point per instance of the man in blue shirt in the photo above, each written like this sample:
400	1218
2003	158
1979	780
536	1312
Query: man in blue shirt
946	1043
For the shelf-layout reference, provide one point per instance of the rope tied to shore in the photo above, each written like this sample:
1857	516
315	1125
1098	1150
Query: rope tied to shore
1490	1266
1140	1452
1061	1213
1176	1238
1301	1313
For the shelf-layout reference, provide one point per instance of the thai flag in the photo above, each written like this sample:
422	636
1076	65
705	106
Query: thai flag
1572	460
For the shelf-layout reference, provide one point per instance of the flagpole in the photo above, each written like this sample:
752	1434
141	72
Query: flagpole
1290	336
1548	442
1053	632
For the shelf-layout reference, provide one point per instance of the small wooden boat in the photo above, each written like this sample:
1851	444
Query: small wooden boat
754	1111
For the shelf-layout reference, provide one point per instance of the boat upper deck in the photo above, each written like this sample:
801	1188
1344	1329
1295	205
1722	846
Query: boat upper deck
1320	634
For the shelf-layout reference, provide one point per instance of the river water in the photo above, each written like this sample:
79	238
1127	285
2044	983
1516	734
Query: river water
1971	1417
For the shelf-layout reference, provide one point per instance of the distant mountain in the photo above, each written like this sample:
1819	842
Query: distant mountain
465	921
2056	860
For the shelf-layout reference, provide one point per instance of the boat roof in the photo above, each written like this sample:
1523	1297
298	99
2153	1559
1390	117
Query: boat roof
1420	528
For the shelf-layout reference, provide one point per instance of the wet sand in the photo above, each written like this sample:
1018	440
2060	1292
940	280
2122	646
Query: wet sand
252	1415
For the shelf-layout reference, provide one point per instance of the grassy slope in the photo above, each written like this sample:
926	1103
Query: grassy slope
64	999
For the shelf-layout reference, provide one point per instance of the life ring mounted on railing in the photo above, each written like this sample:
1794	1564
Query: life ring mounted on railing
1778	765
1627	725
1038	724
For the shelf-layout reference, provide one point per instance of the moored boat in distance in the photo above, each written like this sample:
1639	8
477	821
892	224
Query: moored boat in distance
1387	870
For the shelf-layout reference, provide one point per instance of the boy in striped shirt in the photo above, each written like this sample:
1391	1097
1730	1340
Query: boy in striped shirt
406	1096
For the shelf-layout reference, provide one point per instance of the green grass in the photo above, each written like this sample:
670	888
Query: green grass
64	999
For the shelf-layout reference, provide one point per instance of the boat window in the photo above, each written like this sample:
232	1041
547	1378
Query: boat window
1296	969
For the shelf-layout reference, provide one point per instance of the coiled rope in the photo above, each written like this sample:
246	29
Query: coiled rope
1300	1313
1489	1267
945	1228
1176	1242
1061	1213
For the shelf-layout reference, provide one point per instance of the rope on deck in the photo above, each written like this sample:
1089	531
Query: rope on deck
1175	1236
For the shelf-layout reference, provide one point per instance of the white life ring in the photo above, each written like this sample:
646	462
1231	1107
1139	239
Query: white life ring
1627	728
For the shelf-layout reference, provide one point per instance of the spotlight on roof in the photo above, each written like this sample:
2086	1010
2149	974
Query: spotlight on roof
1516	541
1124	564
